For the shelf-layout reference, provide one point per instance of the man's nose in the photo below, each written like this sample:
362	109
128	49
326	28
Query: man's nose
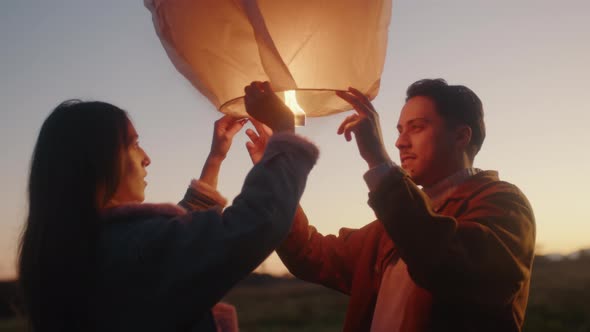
402	142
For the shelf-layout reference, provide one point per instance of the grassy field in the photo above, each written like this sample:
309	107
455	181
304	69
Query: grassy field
559	302
560	296
288	305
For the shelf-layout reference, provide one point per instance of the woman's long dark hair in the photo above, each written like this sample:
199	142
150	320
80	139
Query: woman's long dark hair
75	170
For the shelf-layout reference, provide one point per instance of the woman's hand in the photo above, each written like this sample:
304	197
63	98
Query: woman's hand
224	131
265	106
258	140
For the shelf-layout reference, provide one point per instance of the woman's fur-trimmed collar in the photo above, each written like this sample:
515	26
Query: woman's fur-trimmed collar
134	210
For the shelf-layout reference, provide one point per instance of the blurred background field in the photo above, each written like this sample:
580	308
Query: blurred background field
559	301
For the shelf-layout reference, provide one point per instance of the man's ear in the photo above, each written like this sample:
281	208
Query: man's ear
463	136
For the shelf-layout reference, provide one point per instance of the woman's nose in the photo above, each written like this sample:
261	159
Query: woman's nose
146	160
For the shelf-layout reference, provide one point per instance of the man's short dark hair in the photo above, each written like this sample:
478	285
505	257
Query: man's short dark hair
456	104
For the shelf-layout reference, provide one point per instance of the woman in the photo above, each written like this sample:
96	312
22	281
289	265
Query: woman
93	258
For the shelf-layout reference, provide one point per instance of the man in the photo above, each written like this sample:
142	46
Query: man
455	255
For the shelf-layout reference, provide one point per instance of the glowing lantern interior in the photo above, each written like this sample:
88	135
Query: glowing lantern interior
291	102
313	47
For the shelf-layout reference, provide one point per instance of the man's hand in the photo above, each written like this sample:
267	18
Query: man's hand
365	126
258	140
265	106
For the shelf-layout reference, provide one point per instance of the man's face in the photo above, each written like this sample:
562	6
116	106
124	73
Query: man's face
426	145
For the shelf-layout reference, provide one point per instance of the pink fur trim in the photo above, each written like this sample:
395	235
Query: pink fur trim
226	317
143	209
307	145
209	191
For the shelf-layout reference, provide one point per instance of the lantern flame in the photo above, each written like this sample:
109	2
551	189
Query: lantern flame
291	102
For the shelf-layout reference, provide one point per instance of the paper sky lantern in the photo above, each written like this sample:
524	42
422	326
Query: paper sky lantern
307	49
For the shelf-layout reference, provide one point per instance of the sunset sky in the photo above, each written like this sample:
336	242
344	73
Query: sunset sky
527	60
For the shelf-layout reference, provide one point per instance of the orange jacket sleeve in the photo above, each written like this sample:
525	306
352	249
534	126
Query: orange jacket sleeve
328	260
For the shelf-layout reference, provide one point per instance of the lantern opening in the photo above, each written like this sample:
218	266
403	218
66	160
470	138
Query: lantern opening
291	102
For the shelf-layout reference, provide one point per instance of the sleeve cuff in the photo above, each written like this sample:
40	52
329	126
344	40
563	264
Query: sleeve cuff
375	175
202	196
281	142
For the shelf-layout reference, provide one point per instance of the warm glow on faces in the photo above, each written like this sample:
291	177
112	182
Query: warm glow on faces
133	171
427	147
